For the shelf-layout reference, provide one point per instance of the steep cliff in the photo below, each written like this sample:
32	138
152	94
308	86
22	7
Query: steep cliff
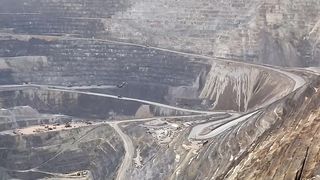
55	154
283	33
159	89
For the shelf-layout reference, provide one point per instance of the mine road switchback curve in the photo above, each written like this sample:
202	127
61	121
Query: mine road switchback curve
128	145
229	122
299	81
196	130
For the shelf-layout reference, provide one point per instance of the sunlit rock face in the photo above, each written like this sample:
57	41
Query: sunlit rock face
152	74
202	96
280	33
242	87
62	152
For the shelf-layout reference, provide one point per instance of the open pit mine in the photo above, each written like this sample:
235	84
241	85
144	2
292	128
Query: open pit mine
159	89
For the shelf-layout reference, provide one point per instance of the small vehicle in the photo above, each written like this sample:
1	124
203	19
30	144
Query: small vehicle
122	84
205	142
119	96
68	125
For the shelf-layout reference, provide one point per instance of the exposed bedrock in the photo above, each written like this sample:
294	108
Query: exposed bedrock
262	31
62	61
151	74
281	33
24	116
96	149
292	142
84	106
254	148
240	87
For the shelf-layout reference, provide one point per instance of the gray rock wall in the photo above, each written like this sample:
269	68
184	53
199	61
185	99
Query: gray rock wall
152	74
85	106
97	149
281	33
97	62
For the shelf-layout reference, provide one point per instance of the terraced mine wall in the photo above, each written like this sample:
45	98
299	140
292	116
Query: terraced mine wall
151	74
61	42
232	154
271	32
13	122
288	115
96	62
240	87
281	33
85	106
29	157
57	17
24	116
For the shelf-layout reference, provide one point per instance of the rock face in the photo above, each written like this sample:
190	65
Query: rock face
246	86
88	106
163	76
61	153
291	130
281	33
24	116
159	89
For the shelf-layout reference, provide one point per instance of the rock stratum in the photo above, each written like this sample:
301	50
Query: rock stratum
162	89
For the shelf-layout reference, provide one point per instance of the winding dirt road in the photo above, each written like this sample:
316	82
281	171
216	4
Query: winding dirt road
129	148
196	130
71	90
